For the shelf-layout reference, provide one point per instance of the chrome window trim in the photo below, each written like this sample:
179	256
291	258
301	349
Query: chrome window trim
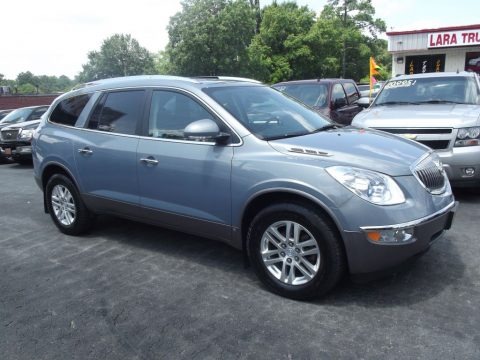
158	87
413	222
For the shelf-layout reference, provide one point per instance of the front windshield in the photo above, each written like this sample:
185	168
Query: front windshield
16	116
267	113
448	89
314	94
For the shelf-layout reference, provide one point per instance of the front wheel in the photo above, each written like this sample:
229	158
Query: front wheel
295	251
66	207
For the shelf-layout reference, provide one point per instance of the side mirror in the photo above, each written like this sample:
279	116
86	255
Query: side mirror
204	130
340	102
364	102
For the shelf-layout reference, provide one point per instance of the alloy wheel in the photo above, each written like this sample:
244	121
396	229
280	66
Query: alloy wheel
63	205
290	252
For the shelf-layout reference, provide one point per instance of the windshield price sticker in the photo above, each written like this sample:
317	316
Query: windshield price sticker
400	83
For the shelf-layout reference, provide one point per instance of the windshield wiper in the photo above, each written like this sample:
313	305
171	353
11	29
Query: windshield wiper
284	136
440	102
397	103
327	127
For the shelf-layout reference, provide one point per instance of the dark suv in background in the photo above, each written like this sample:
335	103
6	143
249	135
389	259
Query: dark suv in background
16	131
335	98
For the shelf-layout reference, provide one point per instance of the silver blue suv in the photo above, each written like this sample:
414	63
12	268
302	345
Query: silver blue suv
237	161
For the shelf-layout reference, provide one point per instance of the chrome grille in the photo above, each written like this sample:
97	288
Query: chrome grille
429	171
8	135
435	138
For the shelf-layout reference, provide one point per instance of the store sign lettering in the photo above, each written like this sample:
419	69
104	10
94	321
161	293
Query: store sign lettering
454	38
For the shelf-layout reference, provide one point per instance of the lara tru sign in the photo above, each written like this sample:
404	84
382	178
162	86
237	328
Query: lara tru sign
454	38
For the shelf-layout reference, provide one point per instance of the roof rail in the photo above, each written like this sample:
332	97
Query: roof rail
227	78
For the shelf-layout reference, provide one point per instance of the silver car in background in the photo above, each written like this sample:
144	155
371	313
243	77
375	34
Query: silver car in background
439	110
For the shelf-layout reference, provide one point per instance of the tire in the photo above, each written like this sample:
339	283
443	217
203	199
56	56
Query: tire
307	266
66	207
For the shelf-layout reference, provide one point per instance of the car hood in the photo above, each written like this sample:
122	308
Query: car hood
23	124
421	116
351	146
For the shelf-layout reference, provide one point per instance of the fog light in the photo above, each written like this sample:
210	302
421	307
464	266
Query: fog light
470	171
391	236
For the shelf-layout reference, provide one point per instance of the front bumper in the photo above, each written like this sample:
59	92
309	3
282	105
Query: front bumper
16	150
365	257
457	160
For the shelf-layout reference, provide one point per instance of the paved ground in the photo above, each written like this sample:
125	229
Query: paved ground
131	291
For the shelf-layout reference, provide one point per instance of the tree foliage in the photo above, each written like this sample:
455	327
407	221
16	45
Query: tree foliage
210	37
281	49
29	83
359	14
356	20
119	55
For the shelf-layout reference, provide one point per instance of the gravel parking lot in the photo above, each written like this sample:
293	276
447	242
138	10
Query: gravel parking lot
133	291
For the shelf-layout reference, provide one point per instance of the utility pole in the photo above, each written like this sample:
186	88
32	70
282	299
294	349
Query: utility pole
344	54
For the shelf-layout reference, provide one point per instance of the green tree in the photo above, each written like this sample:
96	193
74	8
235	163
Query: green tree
210	37
354	16
27	78
26	89
162	64
281	50
119	55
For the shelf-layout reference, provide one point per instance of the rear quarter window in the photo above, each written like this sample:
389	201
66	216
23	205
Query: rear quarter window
67	111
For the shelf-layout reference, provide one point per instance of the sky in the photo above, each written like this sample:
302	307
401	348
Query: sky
53	37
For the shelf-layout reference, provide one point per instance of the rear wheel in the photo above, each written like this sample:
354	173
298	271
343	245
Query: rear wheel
295	251
66	207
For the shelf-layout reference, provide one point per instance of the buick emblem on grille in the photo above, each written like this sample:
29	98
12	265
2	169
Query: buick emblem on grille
8	135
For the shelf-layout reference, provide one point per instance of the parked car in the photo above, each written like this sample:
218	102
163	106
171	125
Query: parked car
440	110
364	89
335	98
4	113
16	132
23	114
306	199
15	141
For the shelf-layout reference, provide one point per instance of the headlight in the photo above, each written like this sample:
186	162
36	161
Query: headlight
468	136
372	186
26	134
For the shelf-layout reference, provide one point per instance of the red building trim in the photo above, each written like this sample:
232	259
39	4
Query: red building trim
450	28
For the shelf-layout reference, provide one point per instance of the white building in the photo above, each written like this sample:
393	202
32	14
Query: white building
455	48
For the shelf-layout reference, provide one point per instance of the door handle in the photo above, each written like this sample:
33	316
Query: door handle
149	161
85	150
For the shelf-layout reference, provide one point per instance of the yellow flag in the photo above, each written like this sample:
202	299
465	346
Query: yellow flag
373	71
373	67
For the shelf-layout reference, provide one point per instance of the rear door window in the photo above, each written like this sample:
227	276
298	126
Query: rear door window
118	112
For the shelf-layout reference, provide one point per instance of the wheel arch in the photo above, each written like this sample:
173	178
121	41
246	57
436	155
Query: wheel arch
264	199
50	170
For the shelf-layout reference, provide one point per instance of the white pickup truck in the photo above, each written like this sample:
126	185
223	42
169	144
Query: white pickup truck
439	110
